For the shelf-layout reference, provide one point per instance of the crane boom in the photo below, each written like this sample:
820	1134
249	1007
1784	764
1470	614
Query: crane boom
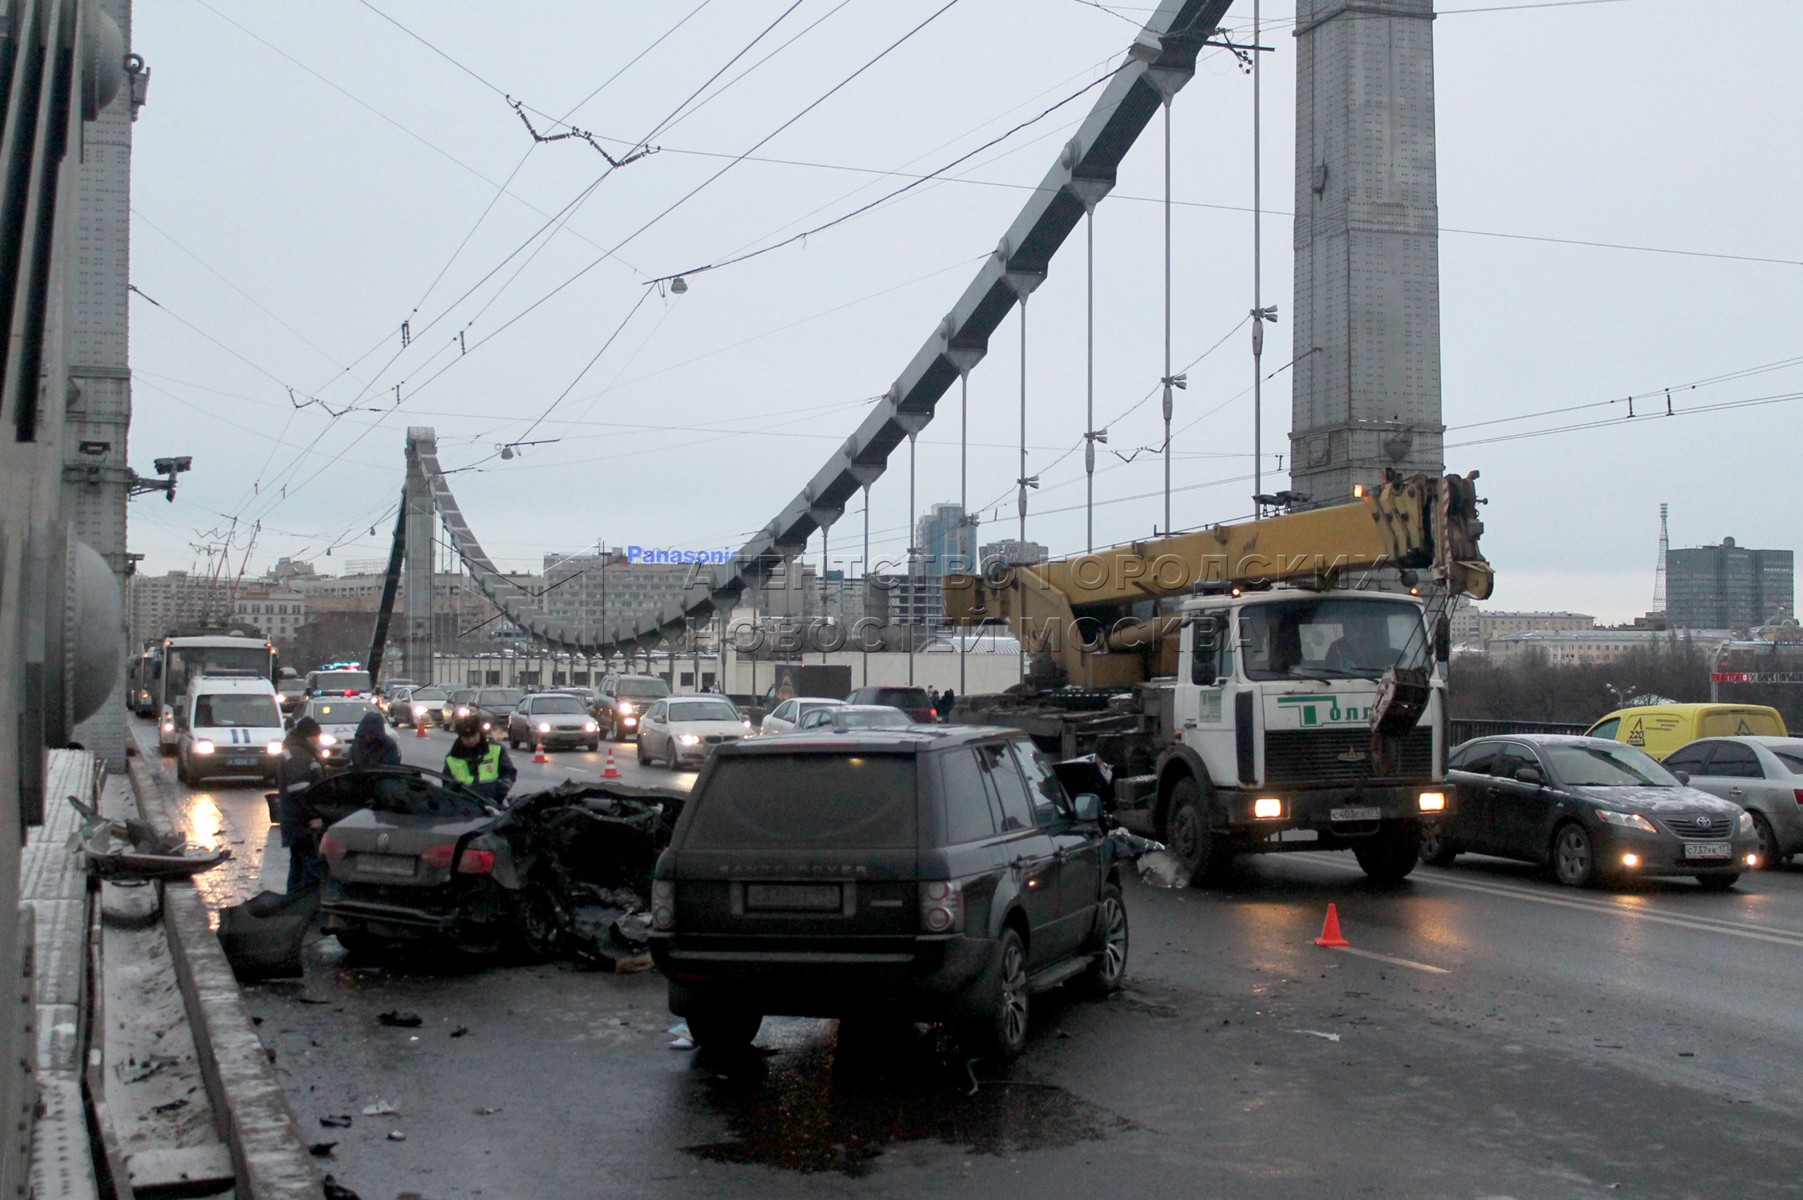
1080	611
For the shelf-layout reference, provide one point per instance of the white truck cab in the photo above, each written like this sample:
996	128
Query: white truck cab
231	725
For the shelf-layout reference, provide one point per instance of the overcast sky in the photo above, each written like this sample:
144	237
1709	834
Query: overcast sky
1618	183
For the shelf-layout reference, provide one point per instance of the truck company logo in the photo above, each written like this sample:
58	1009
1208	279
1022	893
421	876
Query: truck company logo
659	554
1325	710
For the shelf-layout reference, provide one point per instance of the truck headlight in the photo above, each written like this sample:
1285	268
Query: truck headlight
202	746
1431	801
273	749
1267	808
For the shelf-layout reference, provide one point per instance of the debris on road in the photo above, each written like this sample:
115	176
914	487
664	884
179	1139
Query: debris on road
126	851
321	1149
460	1031
336	1121
262	937
381	1108
1332	1037
333	1190
396	1019
1161	868
684	1039
395	1135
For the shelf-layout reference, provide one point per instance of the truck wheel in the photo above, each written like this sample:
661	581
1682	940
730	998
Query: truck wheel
1436	849
1188	835
1001	1033
1391	853
726	1029
1109	944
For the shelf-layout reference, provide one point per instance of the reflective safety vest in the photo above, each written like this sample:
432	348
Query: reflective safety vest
488	768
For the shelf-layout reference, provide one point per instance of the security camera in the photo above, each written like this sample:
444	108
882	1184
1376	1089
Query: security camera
165	466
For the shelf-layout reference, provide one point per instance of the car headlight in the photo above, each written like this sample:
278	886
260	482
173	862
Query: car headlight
1745	823
419	710
544	727
1626	820
625	708
273	748
326	739
202	746
688	739
463	710
590	727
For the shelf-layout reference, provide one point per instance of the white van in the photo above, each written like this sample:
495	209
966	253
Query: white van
231	726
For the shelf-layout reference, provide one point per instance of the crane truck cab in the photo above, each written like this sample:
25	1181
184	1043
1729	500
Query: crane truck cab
1299	720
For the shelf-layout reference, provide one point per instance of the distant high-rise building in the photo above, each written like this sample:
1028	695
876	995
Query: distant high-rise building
945	543
1728	586
1014	552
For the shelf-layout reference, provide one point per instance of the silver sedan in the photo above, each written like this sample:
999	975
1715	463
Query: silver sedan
1764	775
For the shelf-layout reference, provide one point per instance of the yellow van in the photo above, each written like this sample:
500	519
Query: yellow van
1661	728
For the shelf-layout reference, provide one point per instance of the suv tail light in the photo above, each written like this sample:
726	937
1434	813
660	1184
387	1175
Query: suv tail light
942	906
663	905
331	849
1799	795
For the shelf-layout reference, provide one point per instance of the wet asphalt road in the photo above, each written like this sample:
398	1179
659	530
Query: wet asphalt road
1489	1034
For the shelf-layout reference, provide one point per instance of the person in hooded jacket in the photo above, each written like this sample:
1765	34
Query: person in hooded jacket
372	747
299	770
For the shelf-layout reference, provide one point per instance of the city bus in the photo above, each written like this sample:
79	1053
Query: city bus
185	658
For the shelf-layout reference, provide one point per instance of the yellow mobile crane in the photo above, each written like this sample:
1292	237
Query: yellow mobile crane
1277	684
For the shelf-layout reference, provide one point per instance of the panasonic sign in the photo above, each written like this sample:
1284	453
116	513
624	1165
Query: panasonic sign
655	554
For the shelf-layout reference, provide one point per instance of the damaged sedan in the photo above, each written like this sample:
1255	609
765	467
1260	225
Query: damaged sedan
558	872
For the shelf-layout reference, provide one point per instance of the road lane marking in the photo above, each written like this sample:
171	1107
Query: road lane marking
1696	924
1395	962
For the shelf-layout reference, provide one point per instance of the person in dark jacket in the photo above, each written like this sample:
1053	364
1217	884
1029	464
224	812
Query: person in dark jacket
478	764
372	747
946	701
299	770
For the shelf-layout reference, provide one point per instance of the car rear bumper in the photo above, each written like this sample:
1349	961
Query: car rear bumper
926	978
560	738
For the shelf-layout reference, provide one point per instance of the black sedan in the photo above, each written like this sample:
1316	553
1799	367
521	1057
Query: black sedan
1592	809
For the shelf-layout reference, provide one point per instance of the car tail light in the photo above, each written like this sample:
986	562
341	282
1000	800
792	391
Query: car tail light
331	849
663	905
1799	795
932	715
438	857
476	862
942	906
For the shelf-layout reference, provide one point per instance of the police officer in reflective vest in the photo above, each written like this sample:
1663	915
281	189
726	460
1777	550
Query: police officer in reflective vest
478	764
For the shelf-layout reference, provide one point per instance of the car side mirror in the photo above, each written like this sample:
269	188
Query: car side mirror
1088	807
1682	777
1531	775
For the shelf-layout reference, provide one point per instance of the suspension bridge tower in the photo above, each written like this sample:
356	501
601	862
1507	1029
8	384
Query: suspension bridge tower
1367	288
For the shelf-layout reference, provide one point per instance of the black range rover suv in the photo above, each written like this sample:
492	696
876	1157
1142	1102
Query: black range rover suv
920	874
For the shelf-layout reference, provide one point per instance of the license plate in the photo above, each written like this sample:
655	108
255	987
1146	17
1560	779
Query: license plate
400	866
1708	850
1357	814
240	762
793	897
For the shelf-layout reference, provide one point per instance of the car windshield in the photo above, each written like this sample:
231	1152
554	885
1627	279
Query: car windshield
807	802
1605	766
340	712
885	719
703	710
1332	638
500	697
642	689
341	681
421	695
291	687
464	696
213	712
558	704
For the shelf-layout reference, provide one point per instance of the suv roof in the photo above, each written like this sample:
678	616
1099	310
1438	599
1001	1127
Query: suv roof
913	738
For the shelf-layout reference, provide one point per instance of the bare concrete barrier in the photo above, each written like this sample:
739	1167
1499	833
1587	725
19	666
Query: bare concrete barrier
269	1153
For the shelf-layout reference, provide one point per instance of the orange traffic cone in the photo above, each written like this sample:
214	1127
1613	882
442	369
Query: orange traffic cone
419	729
1330	930
538	755
611	772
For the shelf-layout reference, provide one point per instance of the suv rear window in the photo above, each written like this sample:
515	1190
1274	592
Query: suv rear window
901	697
806	802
